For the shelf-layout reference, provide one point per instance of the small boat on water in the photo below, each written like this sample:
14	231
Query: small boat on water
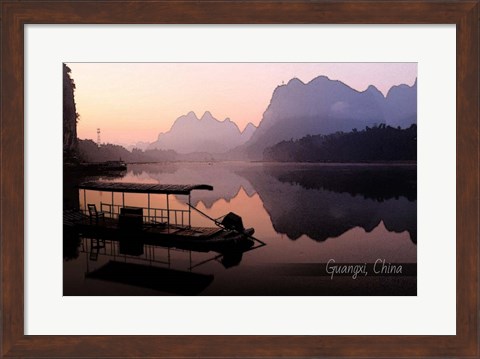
104	166
167	227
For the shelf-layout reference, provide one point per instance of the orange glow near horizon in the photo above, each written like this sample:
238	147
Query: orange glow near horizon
132	102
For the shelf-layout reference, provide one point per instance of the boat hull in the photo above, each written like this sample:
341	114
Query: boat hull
219	240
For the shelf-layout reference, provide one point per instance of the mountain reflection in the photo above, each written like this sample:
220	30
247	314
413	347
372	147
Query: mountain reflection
225	181
326	201
370	181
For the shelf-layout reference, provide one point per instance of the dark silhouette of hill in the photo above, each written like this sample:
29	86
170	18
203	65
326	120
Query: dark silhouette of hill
90	152
379	143
70	116
324	106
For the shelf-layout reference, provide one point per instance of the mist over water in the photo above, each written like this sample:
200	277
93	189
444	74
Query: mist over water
307	214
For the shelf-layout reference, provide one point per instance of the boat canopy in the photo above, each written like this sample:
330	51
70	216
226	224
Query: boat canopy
183	189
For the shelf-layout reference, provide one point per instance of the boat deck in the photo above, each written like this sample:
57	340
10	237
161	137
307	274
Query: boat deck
74	218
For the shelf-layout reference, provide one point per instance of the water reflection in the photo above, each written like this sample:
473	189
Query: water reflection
155	278
320	201
225	181
307	214
326	201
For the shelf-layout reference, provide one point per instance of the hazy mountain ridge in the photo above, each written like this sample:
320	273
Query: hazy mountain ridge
324	106
296	111
206	134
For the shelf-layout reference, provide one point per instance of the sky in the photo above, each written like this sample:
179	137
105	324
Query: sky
132	102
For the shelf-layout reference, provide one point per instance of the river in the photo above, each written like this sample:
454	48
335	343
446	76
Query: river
314	219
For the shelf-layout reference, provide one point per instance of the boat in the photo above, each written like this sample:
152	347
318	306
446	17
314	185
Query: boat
168	227
104	166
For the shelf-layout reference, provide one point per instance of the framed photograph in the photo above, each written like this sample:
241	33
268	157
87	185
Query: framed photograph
316	197
238	179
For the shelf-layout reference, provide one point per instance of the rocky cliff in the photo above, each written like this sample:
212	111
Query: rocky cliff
70	115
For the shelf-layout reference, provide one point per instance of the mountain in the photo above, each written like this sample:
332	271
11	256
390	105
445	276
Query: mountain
325	106
190	134
248	132
401	106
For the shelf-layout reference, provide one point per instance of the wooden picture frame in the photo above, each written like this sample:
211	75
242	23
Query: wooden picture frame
15	14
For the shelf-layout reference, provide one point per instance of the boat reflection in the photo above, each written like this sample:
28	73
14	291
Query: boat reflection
169	270
150	277
131	262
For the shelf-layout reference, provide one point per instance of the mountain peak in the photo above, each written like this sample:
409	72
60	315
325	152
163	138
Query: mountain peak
396	89
321	78
207	115
295	82
191	114
231	123
248	131
228	120
250	126
372	89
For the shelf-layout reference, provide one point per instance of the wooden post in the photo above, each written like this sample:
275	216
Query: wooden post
168	215
123	199
148	207
84	200
189	211
87	253
112	209
190	253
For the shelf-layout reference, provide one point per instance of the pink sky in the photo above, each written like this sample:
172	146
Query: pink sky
133	102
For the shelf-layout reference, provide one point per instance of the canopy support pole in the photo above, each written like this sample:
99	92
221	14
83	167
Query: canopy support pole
189	211
85	200
168	215
148	216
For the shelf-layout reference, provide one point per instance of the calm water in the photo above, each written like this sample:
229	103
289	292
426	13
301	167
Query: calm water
309	215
